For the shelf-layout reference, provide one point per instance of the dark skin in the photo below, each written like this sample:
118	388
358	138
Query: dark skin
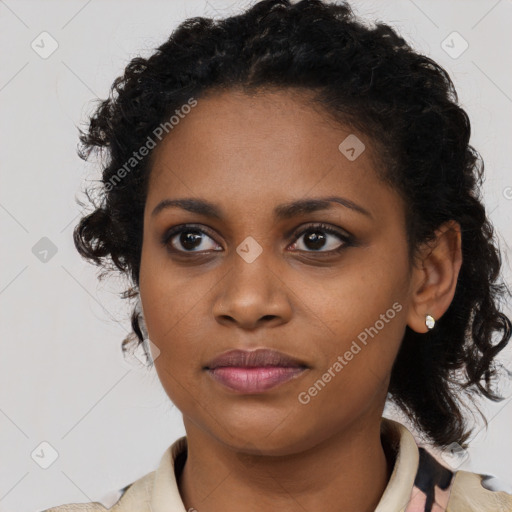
268	451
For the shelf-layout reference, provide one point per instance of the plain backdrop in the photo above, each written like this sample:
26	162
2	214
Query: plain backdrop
67	398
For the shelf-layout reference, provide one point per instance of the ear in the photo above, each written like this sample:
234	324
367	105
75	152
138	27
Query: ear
434	276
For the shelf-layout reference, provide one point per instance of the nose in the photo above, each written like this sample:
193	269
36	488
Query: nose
252	294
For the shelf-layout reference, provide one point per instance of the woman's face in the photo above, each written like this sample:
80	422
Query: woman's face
257	278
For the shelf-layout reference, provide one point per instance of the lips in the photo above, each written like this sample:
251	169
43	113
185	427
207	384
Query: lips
254	359
254	371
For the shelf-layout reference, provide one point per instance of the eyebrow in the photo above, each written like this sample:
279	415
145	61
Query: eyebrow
282	211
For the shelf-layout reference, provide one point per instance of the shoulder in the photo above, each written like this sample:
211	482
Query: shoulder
135	496
155	491
438	488
471	492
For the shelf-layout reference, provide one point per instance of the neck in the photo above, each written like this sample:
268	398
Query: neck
348	471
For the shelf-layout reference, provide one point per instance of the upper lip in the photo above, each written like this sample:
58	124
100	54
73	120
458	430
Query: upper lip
254	358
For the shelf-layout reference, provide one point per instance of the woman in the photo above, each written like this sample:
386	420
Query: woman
295	199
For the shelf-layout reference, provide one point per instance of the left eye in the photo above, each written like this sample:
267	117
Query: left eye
317	237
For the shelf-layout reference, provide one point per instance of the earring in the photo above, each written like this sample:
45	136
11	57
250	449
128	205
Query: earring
144	331
430	322
147	351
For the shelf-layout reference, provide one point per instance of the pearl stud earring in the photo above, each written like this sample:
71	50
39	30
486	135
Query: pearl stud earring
430	322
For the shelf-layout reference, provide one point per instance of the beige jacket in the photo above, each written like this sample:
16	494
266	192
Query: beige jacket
418	484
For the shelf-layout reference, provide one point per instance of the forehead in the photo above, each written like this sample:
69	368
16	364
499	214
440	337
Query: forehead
261	147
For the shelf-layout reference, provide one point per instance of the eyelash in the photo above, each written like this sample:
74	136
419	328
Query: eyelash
347	240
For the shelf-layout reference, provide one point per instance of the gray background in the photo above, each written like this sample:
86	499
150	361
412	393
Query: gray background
63	380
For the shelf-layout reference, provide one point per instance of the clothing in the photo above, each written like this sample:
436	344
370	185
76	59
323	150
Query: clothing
418	483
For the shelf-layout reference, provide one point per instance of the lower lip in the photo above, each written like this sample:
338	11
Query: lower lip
254	380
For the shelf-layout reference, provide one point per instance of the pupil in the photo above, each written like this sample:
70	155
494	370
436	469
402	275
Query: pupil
317	241
189	238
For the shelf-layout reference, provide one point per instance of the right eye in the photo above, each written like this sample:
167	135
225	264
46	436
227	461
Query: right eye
190	238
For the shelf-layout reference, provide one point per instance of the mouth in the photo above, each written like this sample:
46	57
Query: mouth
254	371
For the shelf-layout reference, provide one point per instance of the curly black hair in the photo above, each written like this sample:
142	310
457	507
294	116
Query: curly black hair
363	76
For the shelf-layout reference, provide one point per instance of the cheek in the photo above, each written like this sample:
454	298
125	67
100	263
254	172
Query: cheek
181	343
358	355
170	297
359	301
172	305
354	380
361	322
171	319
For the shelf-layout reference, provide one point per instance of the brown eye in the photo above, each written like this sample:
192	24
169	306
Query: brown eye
321	238
188	239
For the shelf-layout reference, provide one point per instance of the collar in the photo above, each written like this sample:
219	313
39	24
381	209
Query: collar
166	495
